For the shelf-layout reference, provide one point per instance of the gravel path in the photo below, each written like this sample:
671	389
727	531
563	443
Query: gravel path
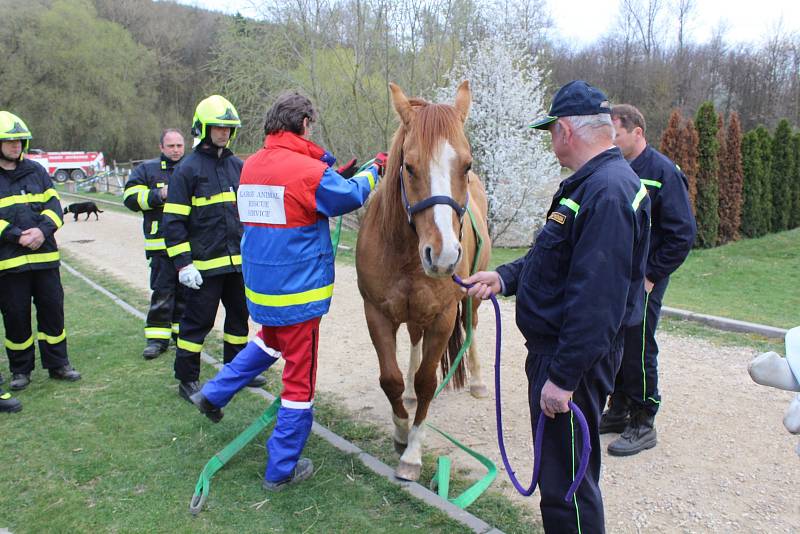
724	462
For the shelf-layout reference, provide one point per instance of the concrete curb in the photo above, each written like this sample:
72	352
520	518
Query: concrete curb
375	465
723	323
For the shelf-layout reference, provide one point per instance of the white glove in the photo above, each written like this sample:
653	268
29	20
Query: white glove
190	277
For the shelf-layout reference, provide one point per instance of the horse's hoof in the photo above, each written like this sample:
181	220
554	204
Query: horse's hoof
400	448
407	471
479	391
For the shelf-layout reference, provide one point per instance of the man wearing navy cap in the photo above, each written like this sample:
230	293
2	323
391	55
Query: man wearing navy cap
577	288
635	401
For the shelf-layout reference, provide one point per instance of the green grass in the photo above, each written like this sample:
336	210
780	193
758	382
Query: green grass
751	280
119	451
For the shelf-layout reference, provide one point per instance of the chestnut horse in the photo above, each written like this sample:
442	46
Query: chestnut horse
415	235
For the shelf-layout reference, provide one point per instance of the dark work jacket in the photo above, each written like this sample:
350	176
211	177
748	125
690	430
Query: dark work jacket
673	226
201	222
583	279
28	200
143	193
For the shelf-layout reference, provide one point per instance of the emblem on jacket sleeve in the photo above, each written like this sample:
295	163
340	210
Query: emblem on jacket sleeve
560	218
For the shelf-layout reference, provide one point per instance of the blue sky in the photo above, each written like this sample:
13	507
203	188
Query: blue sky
582	21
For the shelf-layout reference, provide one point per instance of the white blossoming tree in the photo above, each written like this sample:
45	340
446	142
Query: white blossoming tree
515	162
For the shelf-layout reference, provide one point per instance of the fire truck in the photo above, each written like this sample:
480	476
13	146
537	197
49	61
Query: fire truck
65	165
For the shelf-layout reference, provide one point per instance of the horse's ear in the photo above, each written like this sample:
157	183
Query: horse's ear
463	100
401	104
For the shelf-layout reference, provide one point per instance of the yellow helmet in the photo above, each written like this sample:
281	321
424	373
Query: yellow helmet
13	128
215	111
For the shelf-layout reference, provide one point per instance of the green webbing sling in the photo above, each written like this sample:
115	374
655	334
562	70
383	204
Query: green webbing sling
441	479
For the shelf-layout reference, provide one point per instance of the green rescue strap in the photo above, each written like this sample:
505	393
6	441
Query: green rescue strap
222	457
441	478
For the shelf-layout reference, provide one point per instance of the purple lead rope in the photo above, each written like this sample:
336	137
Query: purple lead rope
537	446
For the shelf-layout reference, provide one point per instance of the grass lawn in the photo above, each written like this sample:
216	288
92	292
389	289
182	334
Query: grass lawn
752	280
119	451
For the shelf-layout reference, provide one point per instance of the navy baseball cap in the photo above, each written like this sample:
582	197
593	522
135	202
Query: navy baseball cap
575	98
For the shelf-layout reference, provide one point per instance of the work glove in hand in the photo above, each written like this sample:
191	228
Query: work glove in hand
380	162
348	169
190	277
328	159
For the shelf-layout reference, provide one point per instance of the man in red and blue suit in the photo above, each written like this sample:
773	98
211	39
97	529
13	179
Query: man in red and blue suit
287	191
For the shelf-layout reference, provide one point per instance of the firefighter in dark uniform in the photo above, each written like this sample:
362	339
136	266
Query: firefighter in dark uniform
202	233
146	191
30	214
635	401
576	290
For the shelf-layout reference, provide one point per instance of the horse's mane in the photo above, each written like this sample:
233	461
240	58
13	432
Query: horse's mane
431	123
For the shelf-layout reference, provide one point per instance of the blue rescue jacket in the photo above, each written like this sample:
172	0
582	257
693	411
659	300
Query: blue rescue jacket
673	226
583	278
286	195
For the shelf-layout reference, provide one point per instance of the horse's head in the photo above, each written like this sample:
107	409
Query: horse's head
432	159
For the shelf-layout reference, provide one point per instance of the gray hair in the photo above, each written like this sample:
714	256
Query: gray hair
591	128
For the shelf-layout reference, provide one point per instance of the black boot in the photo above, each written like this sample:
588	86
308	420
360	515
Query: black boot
64	373
206	408
639	435
615	419
257	382
19	381
8	403
154	349
187	389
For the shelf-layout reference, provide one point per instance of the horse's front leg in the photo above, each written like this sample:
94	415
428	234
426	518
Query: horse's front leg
383	333
414	358
477	387
434	341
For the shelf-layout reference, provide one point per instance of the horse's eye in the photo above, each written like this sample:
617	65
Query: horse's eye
468	168
409	169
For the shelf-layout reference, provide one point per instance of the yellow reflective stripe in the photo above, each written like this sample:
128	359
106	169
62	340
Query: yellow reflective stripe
157	333
571	204
237	260
176	327
29	258
52	340
5	396
19	346
227	196
639	197
154	244
651	183
216	263
289	299
142	200
3	224
177	209
134	189
235	340
188	345
178	249
369	176
28	198
154	227
54	217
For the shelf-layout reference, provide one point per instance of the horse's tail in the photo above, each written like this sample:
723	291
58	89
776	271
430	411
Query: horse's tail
451	353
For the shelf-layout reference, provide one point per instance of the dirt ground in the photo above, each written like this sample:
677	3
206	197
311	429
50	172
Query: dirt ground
724	462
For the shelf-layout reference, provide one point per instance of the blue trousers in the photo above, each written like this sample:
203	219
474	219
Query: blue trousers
562	445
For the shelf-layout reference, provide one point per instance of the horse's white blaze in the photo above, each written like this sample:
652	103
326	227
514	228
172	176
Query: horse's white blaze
442	213
414	358
413	452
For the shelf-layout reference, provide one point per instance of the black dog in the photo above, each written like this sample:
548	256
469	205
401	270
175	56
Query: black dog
83	207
